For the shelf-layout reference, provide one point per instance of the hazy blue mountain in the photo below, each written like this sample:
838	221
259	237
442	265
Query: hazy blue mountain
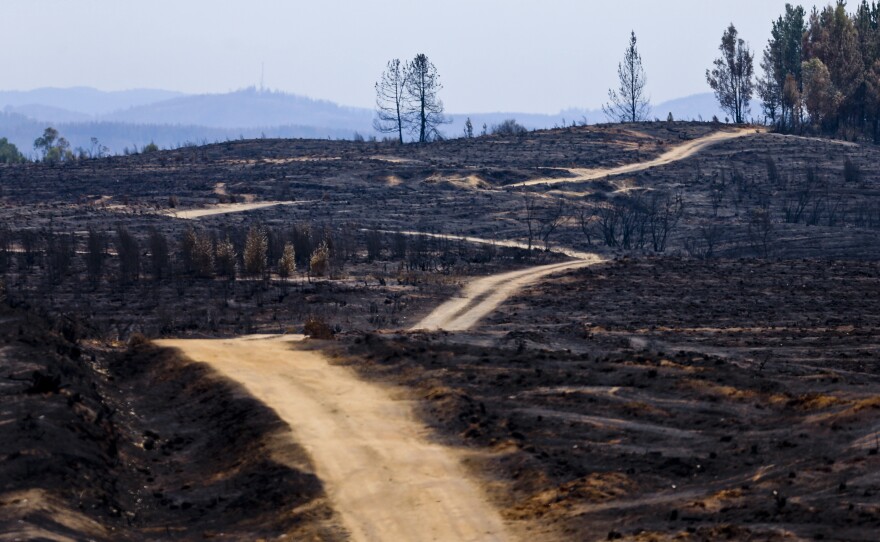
248	108
48	113
117	136
129	119
688	108
88	101
694	107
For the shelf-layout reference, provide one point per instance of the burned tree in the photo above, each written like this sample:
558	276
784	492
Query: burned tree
319	263
59	255
629	103
159	255
30	252
549	220
374	244
5	249
760	231
426	108
203	255
187	249
663	217
96	250
530	216
391	100
128	251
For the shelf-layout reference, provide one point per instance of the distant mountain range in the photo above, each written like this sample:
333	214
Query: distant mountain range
133	118
84	100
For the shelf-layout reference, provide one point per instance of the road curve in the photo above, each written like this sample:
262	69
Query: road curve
577	254
385	478
673	155
224	208
484	295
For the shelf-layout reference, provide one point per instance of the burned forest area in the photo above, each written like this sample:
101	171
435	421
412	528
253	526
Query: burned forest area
646	331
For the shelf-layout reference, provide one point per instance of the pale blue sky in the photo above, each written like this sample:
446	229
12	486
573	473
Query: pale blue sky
492	55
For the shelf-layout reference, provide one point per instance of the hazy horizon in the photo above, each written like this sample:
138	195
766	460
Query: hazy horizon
181	94
491	55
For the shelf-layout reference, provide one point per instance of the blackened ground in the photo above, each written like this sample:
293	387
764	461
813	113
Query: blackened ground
815	313
666	399
141	445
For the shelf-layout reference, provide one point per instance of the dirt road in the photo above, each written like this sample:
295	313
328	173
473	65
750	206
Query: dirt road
483	296
224	208
500	243
678	153
384	476
386	479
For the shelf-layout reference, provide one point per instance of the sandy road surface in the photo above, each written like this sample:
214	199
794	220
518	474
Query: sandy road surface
580	255
385	478
483	296
678	153
224	208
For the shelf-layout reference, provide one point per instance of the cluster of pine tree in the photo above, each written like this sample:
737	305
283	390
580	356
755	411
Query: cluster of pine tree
822	71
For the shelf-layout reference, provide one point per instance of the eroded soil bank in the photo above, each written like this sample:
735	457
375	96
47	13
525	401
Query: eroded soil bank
141	445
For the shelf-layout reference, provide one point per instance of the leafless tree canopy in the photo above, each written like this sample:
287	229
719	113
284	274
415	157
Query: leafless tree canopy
391	100
407	101
629	103
423	84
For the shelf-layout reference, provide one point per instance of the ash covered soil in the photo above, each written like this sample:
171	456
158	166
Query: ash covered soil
87	454
665	399
651	398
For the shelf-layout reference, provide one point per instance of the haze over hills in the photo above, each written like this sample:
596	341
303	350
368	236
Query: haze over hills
133	118
84	100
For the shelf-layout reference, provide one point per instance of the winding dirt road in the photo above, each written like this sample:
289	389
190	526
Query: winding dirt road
483	296
678	153
384	476
225	208
577	254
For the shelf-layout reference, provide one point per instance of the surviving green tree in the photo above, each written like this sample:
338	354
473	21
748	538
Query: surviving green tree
9	153
53	147
782	58
731	78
